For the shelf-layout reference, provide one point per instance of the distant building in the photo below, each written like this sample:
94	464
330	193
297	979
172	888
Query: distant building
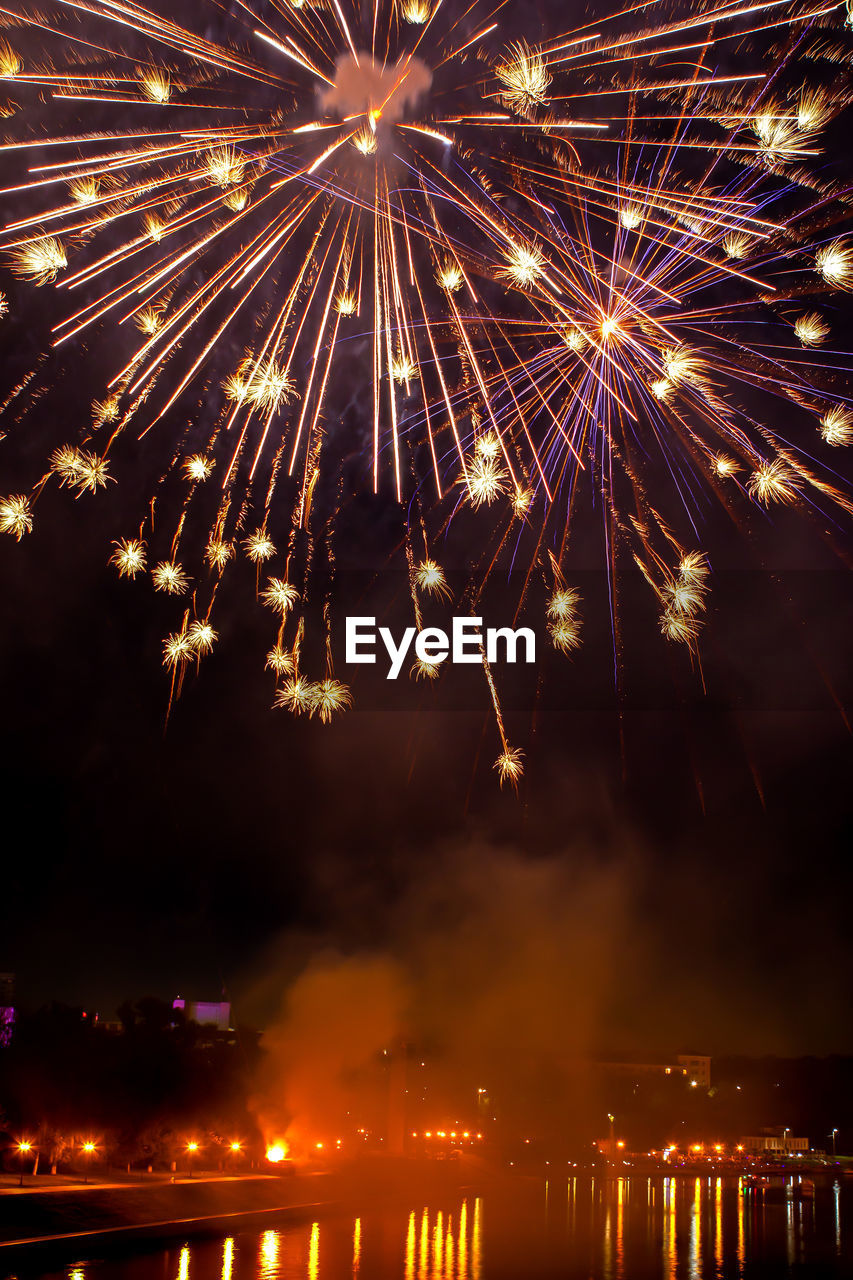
206	1013
7	1008
778	1141
695	1069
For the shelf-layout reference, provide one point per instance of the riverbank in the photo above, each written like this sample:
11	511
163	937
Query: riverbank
107	1212
101	1213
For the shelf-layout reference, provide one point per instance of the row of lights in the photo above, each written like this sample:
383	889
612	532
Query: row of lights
442	1133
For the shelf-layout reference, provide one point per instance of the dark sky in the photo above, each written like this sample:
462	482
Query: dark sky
142	858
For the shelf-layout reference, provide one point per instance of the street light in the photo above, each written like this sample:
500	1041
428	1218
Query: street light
88	1149
833	1136
192	1148
24	1148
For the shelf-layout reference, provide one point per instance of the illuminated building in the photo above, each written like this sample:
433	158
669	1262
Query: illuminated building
695	1069
779	1141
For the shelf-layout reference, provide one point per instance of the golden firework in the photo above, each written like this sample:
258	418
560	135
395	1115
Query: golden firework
429	576
524	78
486	479
10	63
771	482
566	634
525	264
259	546
836	425
280	661
450	277
737	245
201	636
85	190
563	603
129	557
330	696
811	329
280	595
40	261
404	369
509	766
15	516
224	167
835	263
416	11
169	576
156	86
297	695
218	552
197	467
149	320
177	649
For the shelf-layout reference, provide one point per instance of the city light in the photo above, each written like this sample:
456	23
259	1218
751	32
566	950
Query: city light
236	1146
275	1153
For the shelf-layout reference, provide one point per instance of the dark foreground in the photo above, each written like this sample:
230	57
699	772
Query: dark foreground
627	1228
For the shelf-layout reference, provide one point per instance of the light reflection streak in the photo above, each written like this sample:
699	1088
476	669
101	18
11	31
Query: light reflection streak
423	1252
314	1252
477	1241
268	1263
463	1241
740	1231
695	1262
669	1254
227	1258
356	1246
409	1271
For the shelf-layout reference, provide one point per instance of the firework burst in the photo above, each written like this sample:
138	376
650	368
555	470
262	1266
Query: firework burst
580	266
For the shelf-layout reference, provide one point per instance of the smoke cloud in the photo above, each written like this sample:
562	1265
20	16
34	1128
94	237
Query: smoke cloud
368	85
494	967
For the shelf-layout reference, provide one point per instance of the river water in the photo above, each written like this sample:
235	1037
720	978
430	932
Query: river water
587	1229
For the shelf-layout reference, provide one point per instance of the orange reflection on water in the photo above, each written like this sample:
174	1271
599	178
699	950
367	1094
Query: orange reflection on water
227	1259
423	1254
695	1263
669	1254
463	1241
438	1247
409	1270
268	1265
314	1252
356	1246
184	1263
741	1248
477	1241
621	1197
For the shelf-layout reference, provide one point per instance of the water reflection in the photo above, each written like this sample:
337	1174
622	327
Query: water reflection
227	1258
356	1246
314	1252
619	1228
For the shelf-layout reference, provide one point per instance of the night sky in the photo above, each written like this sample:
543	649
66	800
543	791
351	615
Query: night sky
217	852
